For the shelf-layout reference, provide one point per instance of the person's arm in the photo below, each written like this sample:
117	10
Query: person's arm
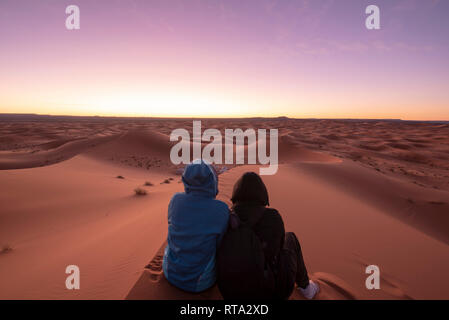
169	211
224	228
271	230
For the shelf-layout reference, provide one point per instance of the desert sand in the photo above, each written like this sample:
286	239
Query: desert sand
356	192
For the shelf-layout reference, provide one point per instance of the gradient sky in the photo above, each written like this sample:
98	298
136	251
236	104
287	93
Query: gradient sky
298	58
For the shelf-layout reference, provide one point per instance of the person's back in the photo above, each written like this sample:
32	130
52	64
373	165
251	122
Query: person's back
282	256
196	224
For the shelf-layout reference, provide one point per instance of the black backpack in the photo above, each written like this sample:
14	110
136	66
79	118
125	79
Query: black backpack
241	270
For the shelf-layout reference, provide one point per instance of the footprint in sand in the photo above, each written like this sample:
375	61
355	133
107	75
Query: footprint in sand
6	249
155	265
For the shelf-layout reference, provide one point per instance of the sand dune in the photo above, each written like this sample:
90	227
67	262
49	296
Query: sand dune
137	148
423	208
48	153
355	193
78	212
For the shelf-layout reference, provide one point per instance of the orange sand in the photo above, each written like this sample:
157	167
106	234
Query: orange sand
355	192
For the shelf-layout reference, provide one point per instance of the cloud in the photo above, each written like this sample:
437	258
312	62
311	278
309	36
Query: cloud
325	47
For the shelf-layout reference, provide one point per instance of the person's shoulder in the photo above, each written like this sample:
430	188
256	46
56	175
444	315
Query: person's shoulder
271	212
178	196
221	205
272	215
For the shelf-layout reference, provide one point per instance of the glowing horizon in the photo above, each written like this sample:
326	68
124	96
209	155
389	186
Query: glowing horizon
226	59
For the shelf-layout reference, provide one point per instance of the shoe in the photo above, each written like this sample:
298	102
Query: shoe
310	291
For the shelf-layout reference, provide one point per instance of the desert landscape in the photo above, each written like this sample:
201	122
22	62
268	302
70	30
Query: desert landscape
94	191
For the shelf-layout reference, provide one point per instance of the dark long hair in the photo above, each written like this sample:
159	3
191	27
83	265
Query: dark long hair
250	189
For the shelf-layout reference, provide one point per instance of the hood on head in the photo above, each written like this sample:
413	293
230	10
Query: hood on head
250	189
200	177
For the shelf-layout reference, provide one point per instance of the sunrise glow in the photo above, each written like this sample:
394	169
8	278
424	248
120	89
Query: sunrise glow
225	59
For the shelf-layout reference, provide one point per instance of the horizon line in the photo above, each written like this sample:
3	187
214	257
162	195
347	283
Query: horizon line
210	118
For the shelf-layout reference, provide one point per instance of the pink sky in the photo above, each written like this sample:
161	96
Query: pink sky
226	58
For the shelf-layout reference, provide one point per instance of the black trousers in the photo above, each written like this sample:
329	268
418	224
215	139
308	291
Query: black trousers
291	268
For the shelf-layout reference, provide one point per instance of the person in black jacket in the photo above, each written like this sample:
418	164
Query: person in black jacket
282	251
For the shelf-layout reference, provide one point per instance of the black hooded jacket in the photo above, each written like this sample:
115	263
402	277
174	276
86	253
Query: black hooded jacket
250	199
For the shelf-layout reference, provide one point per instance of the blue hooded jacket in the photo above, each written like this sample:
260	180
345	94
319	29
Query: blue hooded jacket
196	225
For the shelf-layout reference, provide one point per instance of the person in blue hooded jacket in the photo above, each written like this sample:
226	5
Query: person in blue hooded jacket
196	225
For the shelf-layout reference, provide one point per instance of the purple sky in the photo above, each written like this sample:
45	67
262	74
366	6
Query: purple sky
302	58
